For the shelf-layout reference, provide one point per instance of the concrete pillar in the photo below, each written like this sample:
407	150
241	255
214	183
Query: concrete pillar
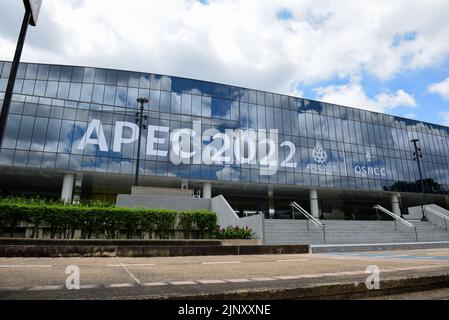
395	208
271	210
67	187
207	190
314	211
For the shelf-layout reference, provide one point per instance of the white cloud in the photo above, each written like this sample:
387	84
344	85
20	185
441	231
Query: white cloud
411	116
445	117
441	88
241	42
353	94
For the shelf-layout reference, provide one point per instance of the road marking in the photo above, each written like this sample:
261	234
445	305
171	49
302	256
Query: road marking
131	265
154	284
263	279
211	281
222	262
120	285
293	260
287	277
129	272
45	288
183	283
25	266
237	280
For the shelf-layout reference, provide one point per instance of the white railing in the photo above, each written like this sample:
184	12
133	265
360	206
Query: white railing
396	218
309	217
438	214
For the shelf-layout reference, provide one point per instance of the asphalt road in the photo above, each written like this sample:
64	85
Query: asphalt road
156	278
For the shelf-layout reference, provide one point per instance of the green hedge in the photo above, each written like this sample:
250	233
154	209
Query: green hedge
109	222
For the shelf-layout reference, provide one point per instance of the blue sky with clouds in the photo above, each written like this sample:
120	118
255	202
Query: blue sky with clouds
389	56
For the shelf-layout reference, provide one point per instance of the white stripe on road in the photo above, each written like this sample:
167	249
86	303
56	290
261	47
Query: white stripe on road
263	279
293	260
154	284
120	285
25	266
131	265
183	283
45	288
287	277
222	262
211	281
237	280
129	272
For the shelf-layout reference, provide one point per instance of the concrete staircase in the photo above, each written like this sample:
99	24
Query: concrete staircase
350	232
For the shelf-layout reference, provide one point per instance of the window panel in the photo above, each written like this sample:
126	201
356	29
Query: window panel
66	73
165	102
206	106
77	74
52	139
25	132
75	91
109	95
100	76
89	75
6	157
155	96
86	92
98	93
63	90
186	104
175	102
12	129
52	89
43	72
39	132
55	72
28	87
31	72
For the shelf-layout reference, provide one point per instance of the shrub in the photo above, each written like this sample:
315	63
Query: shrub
235	233
102	221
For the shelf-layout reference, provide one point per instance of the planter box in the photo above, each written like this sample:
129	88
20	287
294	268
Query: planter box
239	242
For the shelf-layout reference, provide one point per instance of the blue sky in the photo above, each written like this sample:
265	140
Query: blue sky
389	56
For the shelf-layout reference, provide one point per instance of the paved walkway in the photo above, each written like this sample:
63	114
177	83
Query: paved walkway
128	278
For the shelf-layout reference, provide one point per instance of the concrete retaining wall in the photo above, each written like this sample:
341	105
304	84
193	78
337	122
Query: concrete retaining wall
160	202
226	217
87	248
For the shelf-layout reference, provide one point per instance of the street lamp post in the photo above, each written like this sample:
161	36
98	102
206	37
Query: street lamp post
417	155
139	119
32	8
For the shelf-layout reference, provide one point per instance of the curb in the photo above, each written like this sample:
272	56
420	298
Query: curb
378	247
329	291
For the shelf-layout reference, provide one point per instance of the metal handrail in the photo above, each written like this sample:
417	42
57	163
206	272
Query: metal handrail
439	214
309	217
397	218
314	220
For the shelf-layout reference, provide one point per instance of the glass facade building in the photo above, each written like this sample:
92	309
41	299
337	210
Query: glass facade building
81	120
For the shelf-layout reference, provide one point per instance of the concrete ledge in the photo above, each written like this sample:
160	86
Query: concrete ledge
329	291
131	248
377	247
